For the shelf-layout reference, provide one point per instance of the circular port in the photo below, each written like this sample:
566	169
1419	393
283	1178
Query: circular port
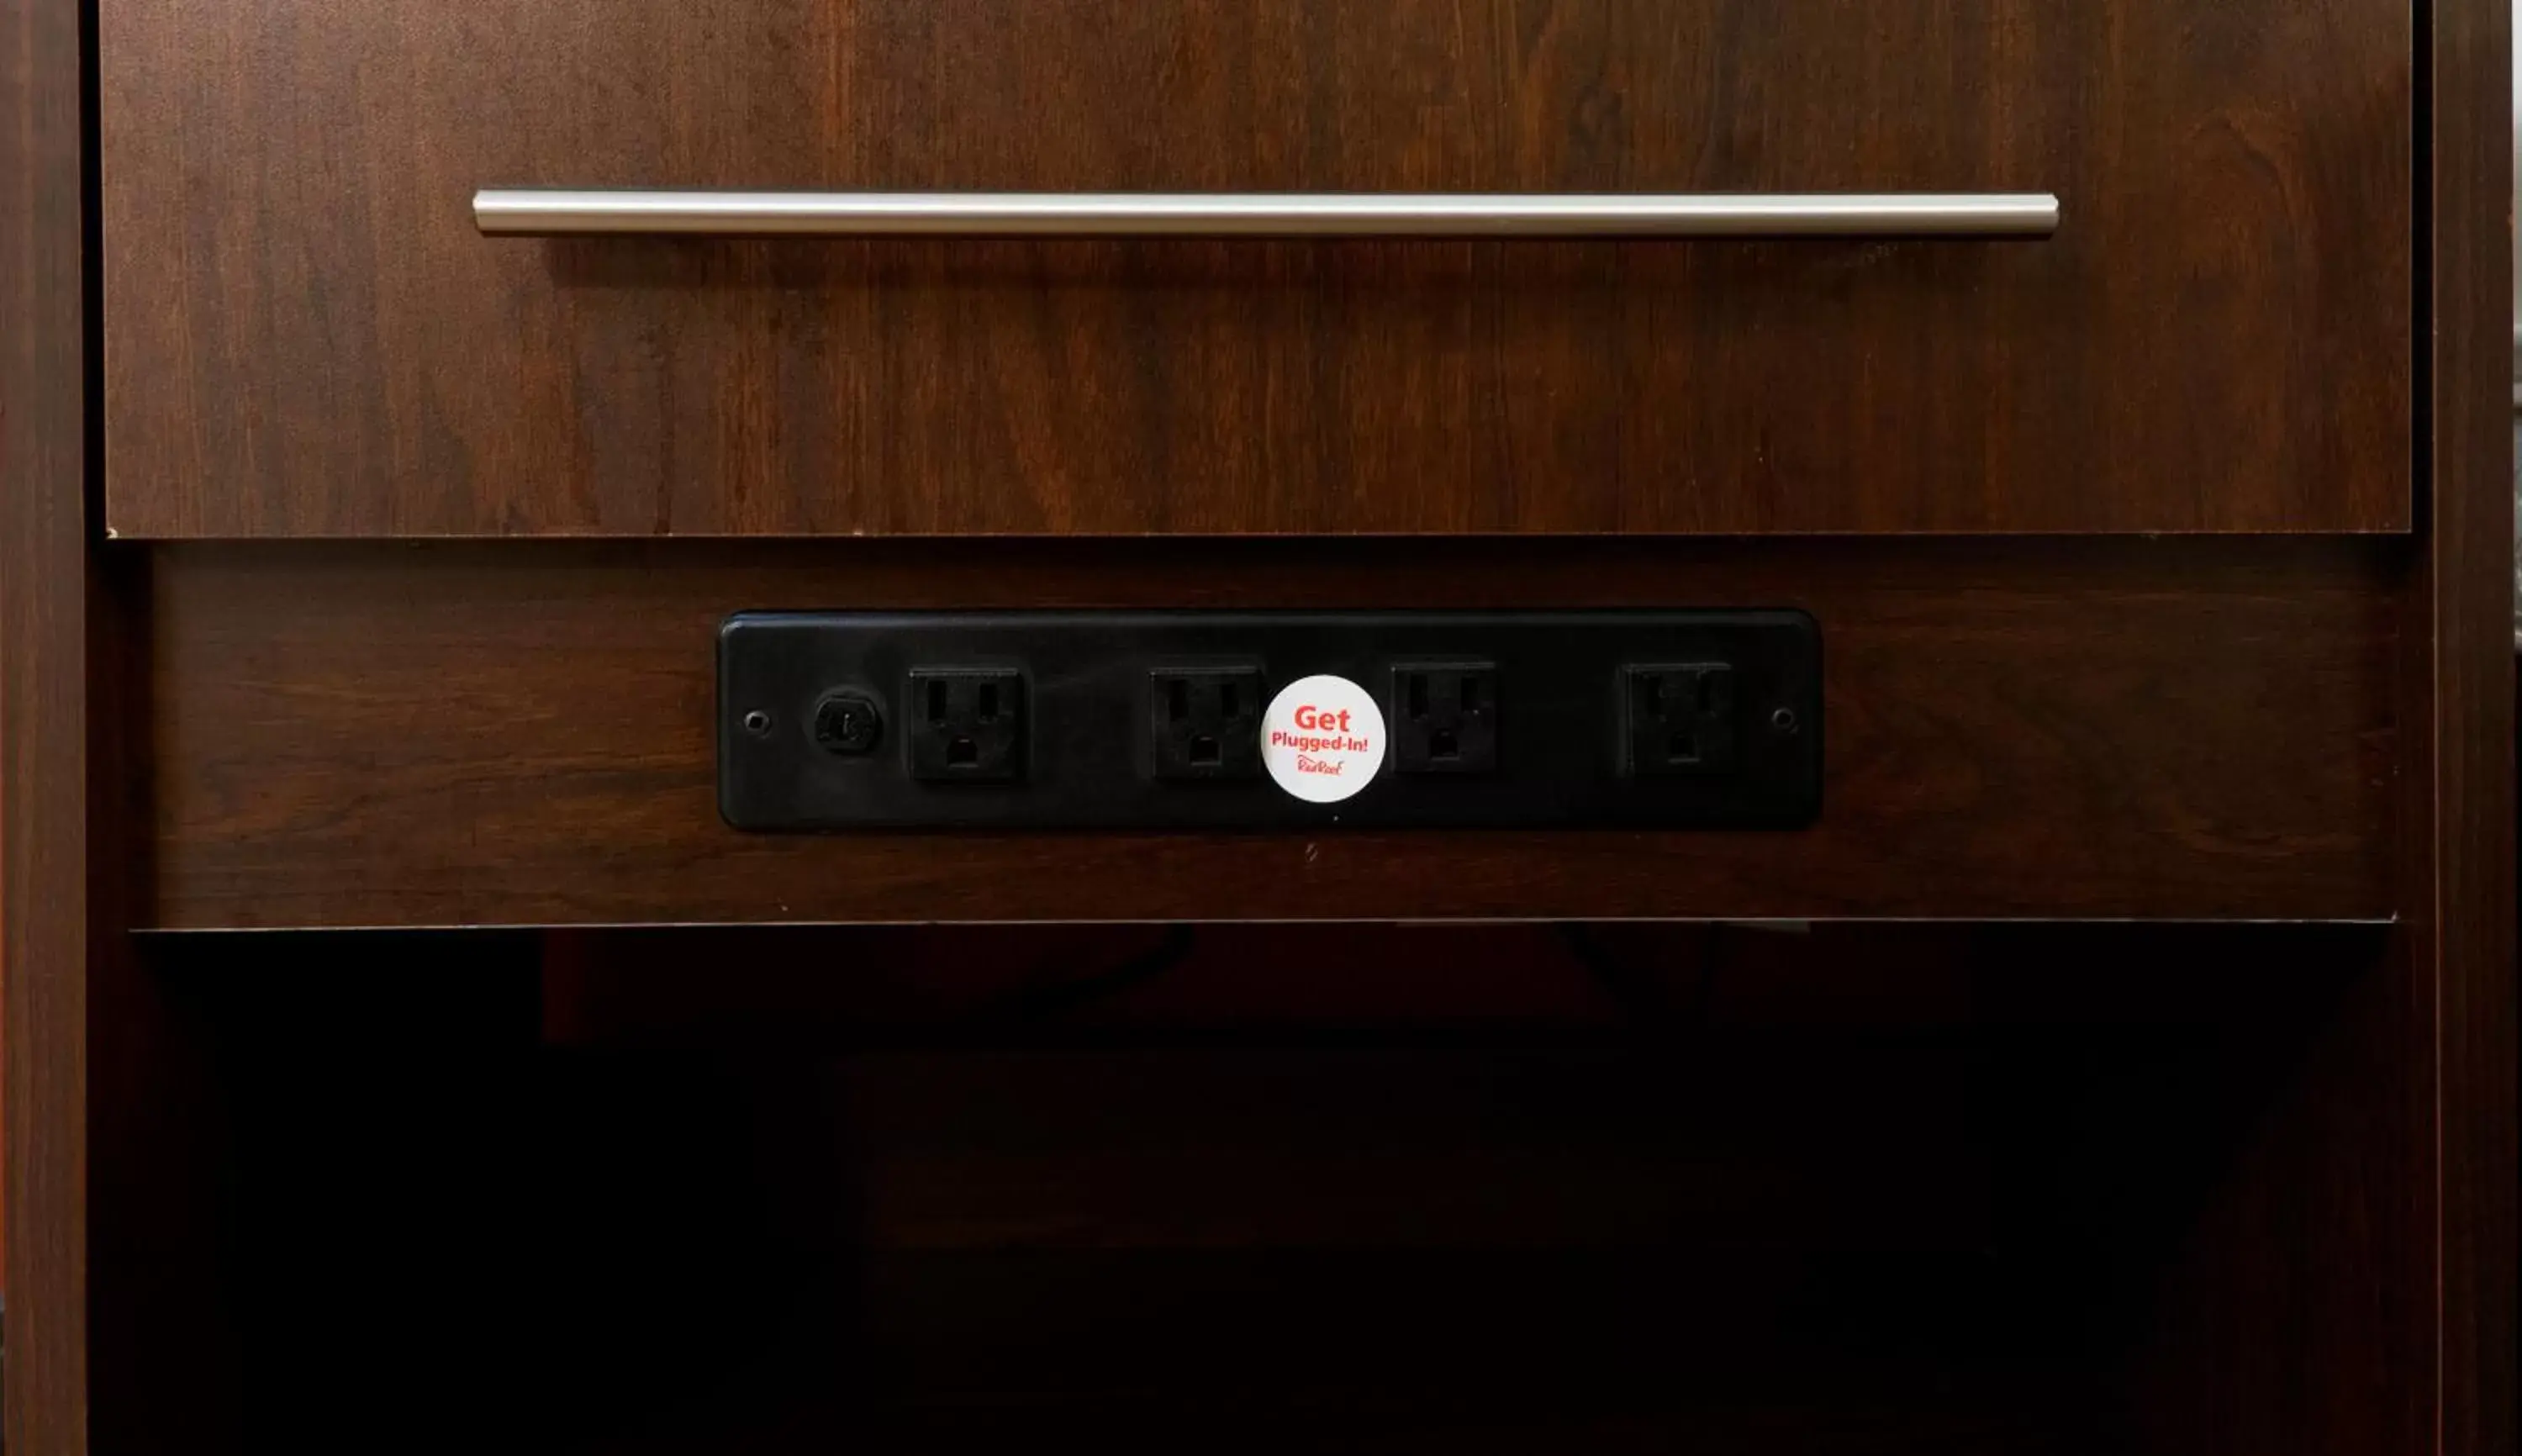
848	723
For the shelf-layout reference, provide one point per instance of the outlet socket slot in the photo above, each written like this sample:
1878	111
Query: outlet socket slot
1443	717
1204	724
968	726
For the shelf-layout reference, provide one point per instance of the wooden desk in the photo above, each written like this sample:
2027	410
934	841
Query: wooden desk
2138	1074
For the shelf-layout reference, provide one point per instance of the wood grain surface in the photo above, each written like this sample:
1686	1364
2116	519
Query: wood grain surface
2462	940
414	735
2287	1227
2320	1219
305	336
44	924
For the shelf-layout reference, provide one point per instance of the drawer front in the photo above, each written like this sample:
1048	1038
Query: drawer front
308	335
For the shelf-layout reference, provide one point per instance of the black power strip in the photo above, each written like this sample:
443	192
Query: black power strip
1154	720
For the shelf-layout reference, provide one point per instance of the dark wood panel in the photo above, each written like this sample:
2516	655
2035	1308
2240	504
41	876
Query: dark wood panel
2320	1217
306	337
112	1316
44	929
2376	1196
467	734
2463	943
162	1361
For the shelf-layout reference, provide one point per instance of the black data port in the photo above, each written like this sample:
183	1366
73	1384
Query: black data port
967	724
1205	723
1445	718
1679	720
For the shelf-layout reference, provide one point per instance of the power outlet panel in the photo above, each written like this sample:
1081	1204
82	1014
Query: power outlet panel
837	721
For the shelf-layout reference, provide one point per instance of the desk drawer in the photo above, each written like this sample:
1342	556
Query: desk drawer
307	334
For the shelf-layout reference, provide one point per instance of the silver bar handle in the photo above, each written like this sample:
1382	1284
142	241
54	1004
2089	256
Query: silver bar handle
552	212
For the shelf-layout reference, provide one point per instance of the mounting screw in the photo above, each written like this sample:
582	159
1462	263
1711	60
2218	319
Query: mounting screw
758	724
848	723
1785	721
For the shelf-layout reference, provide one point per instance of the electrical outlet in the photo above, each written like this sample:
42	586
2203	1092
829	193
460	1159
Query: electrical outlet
1444	718
1679	720
967	724
1205	723
1152	721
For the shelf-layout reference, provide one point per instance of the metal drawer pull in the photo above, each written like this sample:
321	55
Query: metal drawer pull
547	213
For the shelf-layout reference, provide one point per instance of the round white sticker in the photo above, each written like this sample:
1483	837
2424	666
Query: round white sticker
1323	739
